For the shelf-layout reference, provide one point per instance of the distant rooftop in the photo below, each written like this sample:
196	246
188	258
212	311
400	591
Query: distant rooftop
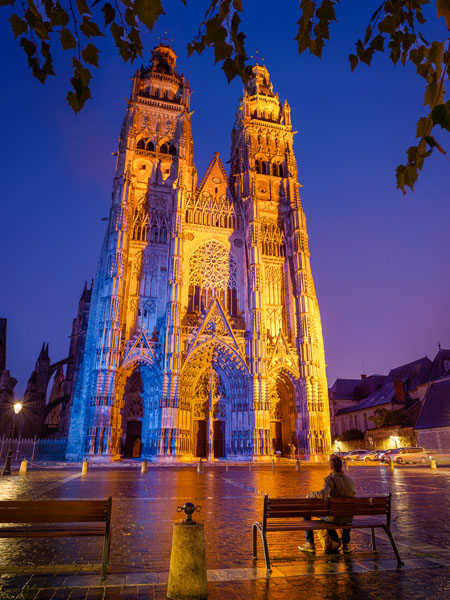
436	406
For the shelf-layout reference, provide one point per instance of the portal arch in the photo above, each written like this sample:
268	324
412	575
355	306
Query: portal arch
215	378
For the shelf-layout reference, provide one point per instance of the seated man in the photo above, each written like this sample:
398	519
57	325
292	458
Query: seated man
336	485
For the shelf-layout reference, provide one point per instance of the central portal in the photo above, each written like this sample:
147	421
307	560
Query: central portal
209	416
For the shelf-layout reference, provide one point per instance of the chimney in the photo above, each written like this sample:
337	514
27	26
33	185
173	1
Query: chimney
399	390
363	376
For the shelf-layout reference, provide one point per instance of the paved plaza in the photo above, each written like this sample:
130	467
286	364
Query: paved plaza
144	509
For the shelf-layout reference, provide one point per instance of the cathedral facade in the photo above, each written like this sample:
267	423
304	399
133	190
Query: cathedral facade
204	336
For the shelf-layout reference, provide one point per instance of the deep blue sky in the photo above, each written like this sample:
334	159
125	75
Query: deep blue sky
380	260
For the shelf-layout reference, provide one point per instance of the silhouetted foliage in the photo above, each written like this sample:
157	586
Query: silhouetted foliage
350	434
389	418
396	27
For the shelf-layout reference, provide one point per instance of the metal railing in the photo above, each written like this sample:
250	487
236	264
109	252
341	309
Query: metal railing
34	449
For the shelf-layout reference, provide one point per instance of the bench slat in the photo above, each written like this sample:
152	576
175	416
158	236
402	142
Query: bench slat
305	525
62	511
5	532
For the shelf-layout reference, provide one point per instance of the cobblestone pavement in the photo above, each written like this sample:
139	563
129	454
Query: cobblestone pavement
144	509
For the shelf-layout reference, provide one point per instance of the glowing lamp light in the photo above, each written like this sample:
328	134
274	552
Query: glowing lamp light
17	407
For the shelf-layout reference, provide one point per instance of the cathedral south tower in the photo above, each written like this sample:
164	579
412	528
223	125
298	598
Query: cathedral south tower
204	335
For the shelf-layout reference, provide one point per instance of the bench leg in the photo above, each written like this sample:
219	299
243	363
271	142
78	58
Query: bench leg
105	556
374	544
266	552
255	543
394	547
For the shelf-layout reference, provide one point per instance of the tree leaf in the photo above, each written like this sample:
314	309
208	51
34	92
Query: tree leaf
90	29
109	11
58	16
440	115
6	2
148	12
83	7
18	25
90	55
353	61
423	126
67	39
443	10
80	84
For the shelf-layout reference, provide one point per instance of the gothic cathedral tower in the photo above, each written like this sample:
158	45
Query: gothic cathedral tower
204	335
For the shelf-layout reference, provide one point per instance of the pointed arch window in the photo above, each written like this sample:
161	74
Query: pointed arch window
150	146
163	149
172	150
257	166
141	145
272	239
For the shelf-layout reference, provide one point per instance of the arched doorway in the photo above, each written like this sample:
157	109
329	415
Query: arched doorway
133	415
283	413
209	416
214	381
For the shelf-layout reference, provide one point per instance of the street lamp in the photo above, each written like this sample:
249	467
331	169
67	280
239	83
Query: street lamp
7	468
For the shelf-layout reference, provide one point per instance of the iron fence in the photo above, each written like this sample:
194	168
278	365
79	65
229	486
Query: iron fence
34	449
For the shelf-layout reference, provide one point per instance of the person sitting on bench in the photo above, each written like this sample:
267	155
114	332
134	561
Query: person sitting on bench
336	485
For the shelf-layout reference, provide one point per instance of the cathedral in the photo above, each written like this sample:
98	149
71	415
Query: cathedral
204	336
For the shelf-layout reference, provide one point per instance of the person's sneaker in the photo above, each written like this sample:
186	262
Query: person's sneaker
347	549
308	547
332	546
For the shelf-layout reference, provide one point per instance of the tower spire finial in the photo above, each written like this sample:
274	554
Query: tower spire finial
164	39
257	57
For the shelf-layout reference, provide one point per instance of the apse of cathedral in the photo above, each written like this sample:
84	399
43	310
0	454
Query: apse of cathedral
204	336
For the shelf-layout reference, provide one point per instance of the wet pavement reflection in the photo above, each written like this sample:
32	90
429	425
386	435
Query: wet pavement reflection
144	510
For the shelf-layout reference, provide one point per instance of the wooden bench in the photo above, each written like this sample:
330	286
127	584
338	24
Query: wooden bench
287	514
57	515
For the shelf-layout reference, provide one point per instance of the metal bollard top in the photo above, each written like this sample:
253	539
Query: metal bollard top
189	508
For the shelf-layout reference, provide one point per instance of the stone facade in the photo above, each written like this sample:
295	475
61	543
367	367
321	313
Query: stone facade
204	336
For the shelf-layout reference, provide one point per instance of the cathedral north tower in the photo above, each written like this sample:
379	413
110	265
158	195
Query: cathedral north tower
204	335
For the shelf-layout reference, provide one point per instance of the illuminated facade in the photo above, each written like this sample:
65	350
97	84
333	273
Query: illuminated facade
204	335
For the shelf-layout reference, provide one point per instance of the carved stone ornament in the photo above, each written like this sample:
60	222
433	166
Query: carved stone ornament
212	266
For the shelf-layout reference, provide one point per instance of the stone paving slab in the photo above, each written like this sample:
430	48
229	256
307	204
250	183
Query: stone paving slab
144	509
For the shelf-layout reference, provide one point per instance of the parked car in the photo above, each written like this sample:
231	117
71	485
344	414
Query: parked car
412	455
340	454
389	454
370	455
354	454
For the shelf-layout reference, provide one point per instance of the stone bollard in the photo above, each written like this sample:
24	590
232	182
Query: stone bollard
273	465
297	465
200	466
23	467
187	571
391	464
226	466
84	468
144	467
433	463
344	465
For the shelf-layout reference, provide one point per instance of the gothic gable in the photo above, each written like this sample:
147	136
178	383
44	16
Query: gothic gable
282	355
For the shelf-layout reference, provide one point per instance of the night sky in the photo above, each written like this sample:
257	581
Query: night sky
380	261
